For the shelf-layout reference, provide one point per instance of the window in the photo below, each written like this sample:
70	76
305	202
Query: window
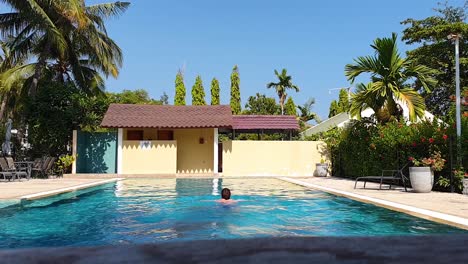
165	135
135	135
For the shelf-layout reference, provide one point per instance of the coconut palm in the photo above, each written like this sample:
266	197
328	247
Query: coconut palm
306	113
284	83
65	37
389	86
10	91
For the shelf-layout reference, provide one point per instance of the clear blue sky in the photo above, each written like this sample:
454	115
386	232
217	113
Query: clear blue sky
314	40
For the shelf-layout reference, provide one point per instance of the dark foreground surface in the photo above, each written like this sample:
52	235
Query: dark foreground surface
414	249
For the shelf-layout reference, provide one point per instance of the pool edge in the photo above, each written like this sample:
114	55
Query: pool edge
434	216
40	195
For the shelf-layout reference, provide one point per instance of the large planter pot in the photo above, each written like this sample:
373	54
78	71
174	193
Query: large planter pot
321	169
422	179
465	186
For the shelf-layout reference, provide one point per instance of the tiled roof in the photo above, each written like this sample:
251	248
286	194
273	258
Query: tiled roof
266	122
167	116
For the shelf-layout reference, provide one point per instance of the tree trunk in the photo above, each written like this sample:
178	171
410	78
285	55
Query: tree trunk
3	106
282	99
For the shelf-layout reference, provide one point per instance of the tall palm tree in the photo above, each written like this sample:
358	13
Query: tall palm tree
389	86
65	37
284	83
12	89
306	113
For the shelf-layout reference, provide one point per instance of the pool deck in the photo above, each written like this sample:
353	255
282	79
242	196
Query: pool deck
39	188
447	208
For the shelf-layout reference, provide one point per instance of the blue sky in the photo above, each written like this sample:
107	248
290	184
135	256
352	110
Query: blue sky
314	40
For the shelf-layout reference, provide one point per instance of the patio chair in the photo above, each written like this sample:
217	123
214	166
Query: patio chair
16	167
6	172
40	165
391	176
50	166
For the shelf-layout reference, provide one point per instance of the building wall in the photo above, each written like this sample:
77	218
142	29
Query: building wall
193	157
272	158
159	158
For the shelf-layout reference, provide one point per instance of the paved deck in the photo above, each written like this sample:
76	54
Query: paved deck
445	203
17	190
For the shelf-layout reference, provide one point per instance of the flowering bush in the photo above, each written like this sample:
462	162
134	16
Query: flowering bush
366	148
435	161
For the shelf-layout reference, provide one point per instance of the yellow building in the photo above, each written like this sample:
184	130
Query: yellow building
169	140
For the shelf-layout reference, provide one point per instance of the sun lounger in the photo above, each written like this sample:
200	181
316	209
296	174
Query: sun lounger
390	177
12	174
21	171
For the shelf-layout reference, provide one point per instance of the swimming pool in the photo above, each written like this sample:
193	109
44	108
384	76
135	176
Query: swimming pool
145	211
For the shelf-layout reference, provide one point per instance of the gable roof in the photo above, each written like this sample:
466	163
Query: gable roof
167	116
265	122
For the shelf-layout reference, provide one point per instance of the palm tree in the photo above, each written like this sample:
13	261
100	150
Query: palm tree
284	83
306	113
11	89
65	37
389	86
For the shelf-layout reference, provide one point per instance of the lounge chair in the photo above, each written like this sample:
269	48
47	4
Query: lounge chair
50	166
17	167
40	165
7	171
392	176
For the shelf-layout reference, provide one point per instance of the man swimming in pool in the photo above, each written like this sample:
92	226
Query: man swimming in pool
226	197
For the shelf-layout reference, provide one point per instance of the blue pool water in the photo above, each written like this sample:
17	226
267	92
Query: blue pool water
142	211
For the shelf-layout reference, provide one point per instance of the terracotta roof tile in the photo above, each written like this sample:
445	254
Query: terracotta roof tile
167	116
267	122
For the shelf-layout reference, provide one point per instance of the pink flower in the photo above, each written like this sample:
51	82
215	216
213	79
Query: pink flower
431	140
410	158
414	144
445	137
423	139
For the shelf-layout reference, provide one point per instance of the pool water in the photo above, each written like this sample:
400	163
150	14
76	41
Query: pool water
145	211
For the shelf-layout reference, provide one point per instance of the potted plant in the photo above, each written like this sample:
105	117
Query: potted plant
422	174
321	169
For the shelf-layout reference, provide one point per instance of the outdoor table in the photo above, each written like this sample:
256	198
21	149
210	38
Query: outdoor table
28	165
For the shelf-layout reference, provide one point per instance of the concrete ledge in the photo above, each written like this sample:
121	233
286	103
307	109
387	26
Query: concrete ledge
406	249
40	195
411	210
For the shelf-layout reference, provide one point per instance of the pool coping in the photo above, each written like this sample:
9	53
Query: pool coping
447	219
40	195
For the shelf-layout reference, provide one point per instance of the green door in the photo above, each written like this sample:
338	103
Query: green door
96	152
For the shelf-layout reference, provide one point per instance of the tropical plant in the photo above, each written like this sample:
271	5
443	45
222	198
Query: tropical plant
65	38
305	111
198	92
284	83
235	91
64	163
428	36
179	98
389	86
214	92
9	93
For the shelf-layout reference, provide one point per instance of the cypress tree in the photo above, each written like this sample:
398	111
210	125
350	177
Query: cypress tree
343	101
179	98
290	107
235	91
214	92
334	109
198	92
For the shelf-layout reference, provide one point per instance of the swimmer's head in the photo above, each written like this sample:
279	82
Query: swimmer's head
226	194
